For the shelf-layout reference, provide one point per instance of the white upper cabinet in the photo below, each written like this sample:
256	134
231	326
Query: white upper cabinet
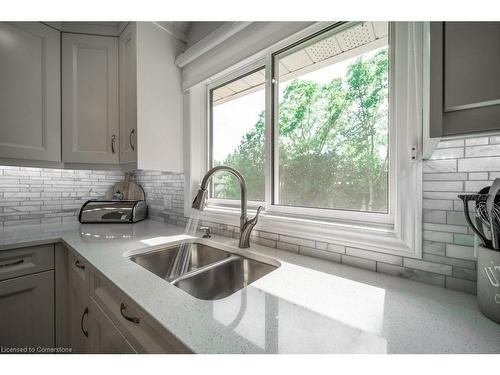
128	95
87	99
30	125
90	117
151	99
159	100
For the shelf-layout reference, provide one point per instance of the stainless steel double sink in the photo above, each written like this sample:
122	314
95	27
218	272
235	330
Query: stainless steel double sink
208	273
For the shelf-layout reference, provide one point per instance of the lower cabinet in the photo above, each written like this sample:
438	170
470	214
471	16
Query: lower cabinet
27	311
78	320
105	337
91	314
104	320
142	332
78	304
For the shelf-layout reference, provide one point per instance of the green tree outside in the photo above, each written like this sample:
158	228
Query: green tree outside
333	142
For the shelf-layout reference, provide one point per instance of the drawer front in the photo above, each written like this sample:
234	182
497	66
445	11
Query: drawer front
78	273
143	333
27	311
26	260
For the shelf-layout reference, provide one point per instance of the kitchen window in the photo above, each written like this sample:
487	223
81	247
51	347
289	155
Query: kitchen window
330	130
237	135
331	125
326	127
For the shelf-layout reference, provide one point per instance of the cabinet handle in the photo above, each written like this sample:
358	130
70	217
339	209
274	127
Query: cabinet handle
86	312
129	318
79	264
15	263
113	138
132	132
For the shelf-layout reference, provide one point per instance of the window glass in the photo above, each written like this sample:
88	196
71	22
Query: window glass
238	126
332	121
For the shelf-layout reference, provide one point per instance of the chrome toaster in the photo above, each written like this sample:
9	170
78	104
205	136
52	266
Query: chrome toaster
112	211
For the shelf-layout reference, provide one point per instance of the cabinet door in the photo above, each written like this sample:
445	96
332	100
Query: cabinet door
465	77
30	122
78	301
128	95
103	334
90	99
27	311
78	318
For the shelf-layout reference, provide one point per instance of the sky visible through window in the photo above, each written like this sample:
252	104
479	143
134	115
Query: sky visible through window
233	119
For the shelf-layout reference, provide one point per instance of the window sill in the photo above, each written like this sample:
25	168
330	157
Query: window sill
368	236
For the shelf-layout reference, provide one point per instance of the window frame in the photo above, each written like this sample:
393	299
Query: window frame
327	213
271	140
234	76
403	234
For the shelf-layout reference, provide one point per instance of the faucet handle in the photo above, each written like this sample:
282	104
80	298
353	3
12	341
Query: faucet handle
256	217
246	229
207	230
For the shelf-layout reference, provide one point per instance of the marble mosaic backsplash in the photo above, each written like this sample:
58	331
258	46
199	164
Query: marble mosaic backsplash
44	195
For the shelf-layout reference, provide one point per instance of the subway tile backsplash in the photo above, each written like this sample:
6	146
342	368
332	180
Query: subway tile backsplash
458	165
42	195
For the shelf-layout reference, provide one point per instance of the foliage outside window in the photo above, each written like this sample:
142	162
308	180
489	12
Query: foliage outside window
331	125
238	123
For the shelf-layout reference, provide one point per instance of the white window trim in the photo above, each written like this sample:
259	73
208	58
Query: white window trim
356	216
400	234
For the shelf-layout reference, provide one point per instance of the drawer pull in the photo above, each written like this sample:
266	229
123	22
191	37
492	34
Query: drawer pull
79	264
86	312
132	132
129	318
15	263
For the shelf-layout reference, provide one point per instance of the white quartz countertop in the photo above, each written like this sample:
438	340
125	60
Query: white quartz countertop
307	305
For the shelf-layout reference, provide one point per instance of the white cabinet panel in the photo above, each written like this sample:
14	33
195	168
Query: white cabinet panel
30	123
78	303
159	100
27	311
145	335
90	99
128	95
104	336
26	260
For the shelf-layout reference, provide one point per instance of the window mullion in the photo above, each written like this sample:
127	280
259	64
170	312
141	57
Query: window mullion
268	133
275	132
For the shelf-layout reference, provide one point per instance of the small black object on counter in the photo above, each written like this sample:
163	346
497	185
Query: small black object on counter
487	215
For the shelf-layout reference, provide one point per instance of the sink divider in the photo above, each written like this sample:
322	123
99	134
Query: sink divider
197	271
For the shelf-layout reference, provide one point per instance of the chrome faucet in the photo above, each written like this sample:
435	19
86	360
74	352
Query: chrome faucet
246	225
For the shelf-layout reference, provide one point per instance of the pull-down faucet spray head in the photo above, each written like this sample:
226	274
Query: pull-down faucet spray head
200	199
